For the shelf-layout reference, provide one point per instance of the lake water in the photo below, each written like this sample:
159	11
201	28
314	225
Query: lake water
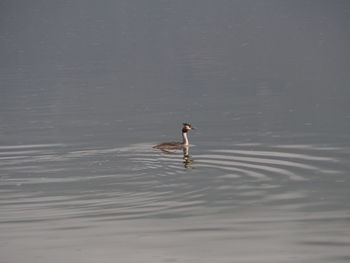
88	87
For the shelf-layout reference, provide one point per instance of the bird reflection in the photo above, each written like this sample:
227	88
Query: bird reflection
186	157
187	160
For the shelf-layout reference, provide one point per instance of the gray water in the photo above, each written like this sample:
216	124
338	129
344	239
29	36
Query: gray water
88	87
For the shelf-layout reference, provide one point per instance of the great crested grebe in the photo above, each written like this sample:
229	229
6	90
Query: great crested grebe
177	145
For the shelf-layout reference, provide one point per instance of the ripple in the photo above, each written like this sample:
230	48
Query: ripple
277	154
30	146
58	182
267	170
269	163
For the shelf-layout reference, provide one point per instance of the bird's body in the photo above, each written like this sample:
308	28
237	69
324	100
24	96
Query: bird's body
177	145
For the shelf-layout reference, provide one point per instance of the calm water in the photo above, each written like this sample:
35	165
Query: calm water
87	88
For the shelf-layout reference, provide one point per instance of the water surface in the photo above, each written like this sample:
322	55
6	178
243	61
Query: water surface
88	88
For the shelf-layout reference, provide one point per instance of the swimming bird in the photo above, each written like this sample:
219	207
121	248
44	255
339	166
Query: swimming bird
177	145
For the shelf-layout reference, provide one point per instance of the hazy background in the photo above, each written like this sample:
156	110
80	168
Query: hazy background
68	64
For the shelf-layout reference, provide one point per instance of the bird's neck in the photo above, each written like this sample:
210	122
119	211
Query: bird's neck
185	138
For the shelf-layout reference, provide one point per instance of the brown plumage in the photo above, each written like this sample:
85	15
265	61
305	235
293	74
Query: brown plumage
176	145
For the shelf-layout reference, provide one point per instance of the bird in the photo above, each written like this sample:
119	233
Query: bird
177	145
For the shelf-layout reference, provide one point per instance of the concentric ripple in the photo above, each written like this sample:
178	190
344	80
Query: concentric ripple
57	181
266	164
